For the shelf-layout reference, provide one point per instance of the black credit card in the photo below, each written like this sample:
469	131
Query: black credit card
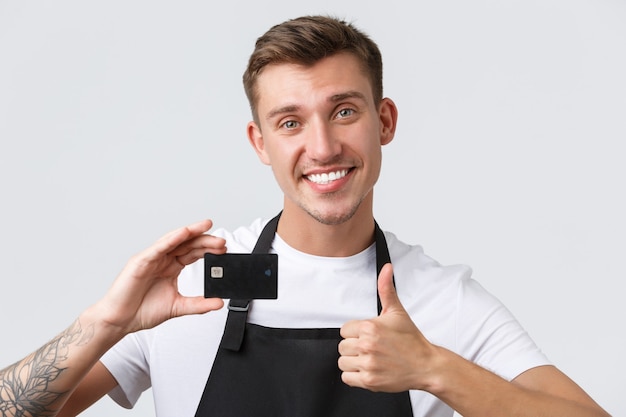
245	276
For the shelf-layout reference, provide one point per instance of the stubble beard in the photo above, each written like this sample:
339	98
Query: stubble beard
332	219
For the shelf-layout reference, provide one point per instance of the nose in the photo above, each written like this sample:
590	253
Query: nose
321	144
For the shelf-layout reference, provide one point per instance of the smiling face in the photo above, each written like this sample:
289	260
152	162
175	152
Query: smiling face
321	131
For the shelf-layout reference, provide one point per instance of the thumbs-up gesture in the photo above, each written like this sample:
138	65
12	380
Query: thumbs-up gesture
386	353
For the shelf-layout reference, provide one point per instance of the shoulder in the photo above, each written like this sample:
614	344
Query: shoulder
422	280
434	294
412	265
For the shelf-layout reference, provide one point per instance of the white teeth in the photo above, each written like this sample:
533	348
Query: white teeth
325	178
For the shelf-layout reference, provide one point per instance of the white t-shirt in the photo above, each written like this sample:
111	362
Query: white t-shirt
447	305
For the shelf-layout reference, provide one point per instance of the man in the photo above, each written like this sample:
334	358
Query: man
349	334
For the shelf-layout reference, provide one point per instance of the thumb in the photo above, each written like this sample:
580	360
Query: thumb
387	291
197	305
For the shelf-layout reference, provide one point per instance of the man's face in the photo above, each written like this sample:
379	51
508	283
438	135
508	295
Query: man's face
321	132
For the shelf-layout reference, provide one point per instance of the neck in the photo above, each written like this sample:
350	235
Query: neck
306	234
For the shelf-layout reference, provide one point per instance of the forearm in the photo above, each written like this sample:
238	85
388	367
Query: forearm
474	391
144	295
39	384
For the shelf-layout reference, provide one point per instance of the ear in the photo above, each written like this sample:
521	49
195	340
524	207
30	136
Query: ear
256	140
388	119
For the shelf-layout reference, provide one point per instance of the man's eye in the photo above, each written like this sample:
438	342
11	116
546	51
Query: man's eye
290	124
344	113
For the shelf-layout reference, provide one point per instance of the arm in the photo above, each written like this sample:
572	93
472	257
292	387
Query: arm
144	295
390	354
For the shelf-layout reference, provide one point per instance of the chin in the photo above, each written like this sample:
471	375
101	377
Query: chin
332	217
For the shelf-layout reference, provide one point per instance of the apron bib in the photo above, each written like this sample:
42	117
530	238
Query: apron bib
273	372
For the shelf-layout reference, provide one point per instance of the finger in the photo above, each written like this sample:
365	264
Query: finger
350	329
168	242
348	363
190	251
352	379
195	254
204	242
387	291
199	227
196	305
348	347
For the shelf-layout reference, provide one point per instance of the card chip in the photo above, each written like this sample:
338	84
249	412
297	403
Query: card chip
217	272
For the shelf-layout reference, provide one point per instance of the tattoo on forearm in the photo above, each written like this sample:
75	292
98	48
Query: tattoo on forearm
27	388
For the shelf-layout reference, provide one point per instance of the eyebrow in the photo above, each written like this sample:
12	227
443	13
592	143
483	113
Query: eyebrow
292	108
349	94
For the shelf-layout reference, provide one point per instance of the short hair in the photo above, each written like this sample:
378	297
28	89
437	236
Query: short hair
305	41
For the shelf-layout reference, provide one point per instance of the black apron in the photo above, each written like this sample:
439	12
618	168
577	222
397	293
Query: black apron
270	372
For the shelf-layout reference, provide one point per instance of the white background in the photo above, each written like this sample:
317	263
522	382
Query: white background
121	120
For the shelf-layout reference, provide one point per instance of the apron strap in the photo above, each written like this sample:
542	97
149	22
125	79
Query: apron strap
238	309
382	258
